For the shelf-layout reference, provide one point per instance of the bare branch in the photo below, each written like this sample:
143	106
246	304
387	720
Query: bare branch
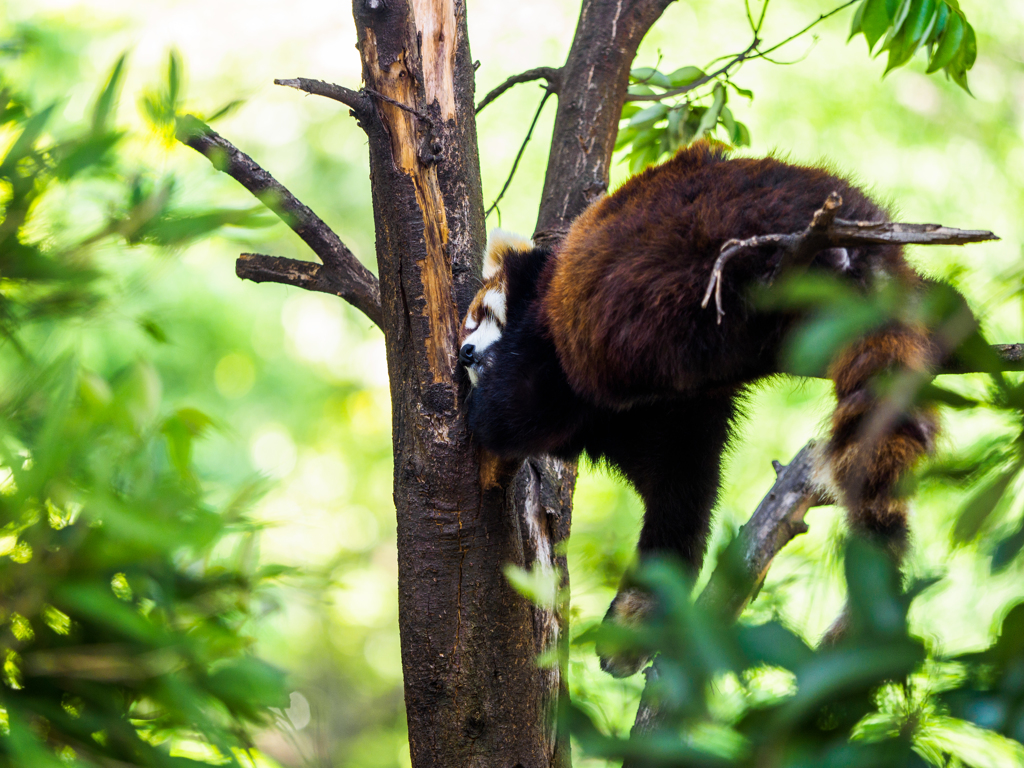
301	274
360	287
826	231
551	74
519	156
1011	356
778	519
354	99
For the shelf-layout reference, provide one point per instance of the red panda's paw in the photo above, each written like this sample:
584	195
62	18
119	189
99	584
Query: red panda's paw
630	608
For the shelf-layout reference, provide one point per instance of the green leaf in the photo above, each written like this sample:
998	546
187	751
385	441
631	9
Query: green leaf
684	76
937	394
99	604
876	19
626	136
982	504
247	685
857	25
676	120
744	92
742	137
629	109
649	76
904	38
710	118
919	20
1008	549
25	144
964	59
647	153
106	102
174	73
942	17
640	90
154	330
902	12
728	121
539	585
873	589
649	116
226	110
773	644
844	672
183	227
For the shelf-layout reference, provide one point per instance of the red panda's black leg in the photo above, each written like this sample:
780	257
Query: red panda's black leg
671	453
866	460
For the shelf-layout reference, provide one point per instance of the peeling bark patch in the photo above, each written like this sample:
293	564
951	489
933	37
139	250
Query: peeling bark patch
396	82
435	22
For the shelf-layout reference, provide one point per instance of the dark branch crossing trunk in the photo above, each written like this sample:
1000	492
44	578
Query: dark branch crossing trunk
474	693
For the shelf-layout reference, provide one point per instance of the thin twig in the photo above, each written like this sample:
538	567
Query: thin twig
808	28
519	155
749	54
551	74
354	99
411	110
357	284
826	231
760	21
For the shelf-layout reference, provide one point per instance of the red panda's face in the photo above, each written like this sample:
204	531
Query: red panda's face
485	320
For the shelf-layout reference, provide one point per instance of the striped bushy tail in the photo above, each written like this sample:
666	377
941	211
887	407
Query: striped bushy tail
877	436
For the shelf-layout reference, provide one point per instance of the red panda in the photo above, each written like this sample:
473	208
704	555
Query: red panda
603	348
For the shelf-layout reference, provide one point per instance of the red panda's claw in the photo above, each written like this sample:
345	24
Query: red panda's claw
630	608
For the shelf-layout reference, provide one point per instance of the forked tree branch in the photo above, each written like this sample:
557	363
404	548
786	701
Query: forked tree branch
551	74
350	279
826	231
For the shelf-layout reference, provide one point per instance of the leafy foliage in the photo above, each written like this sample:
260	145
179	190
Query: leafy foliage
126	594
753	695
662	129
906	26
697	98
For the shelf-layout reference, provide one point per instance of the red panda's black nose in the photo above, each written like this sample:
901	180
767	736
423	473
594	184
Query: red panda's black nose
466	354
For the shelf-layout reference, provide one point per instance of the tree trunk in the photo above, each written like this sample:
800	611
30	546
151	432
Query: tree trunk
474	693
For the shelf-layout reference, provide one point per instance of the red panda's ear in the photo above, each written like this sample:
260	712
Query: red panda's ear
498	244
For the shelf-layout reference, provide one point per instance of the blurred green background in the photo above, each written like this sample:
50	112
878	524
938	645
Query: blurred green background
297	382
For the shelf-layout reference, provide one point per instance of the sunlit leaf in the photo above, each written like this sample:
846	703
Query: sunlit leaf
106	101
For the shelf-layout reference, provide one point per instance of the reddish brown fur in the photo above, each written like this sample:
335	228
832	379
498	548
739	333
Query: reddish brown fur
608	351
866	471
644	255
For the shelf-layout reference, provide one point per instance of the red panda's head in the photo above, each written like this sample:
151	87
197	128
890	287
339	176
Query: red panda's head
485	319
